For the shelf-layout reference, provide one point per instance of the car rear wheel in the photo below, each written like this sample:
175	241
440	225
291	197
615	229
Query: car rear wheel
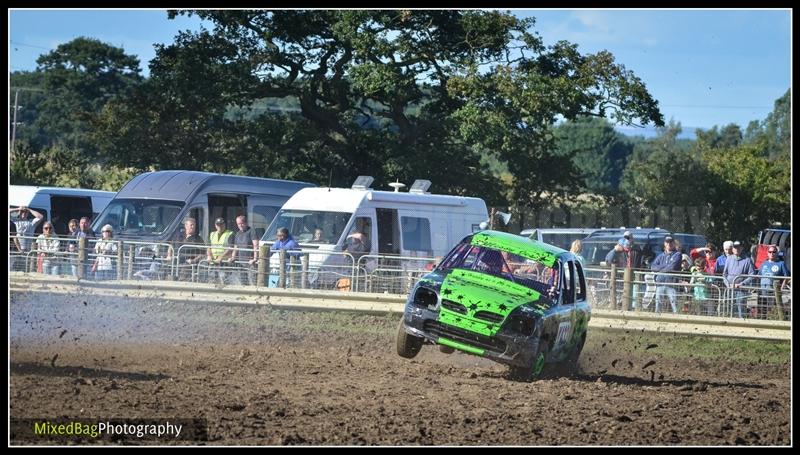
570	364
408	346
535	369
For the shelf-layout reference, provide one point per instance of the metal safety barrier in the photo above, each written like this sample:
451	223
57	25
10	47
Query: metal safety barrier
378	303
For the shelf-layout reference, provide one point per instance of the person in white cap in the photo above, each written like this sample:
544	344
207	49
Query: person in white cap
105	251
727	250
737	274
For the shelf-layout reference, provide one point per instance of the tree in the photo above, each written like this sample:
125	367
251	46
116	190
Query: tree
79	78
394	94
598	153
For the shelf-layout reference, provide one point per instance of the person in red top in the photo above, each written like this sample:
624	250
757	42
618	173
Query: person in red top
709	254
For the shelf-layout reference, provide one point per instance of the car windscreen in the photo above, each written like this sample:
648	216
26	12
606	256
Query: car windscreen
302	225
529	273
138	216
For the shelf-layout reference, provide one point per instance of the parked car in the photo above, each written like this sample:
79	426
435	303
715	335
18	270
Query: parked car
508	298
651	241
560	237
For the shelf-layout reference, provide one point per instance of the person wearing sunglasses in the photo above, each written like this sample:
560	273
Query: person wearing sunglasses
770	269
47	244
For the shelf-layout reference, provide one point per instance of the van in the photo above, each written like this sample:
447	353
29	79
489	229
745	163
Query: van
59	205
152	206
406	224
560	237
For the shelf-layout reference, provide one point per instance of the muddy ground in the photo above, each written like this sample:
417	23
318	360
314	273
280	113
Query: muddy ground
260	376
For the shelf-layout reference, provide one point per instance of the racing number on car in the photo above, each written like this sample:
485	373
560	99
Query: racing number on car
564	331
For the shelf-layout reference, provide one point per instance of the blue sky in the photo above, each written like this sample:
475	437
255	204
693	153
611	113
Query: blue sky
705	67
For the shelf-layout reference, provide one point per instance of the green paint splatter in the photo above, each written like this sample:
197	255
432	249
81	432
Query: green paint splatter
478	292
527	248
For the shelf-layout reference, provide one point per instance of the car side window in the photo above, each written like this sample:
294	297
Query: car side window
569	283
580	284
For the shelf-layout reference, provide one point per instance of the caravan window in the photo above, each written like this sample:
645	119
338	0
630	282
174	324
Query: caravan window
139	216
303	223
416	233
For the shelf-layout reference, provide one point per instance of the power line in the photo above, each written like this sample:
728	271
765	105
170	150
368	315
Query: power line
700	106
16	43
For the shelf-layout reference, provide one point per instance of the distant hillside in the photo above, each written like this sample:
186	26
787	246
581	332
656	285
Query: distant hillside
650	132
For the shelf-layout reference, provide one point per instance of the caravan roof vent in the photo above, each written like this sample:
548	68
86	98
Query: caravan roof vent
420	186
362	182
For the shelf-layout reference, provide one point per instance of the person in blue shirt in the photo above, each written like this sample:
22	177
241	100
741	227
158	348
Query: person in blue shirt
284	241
667	263
772	267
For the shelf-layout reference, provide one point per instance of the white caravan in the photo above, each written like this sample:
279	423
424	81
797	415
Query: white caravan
406	224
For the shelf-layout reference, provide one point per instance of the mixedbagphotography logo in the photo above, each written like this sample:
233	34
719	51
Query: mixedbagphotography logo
134	431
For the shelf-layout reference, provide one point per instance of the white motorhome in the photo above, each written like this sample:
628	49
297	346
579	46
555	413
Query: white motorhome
59	205
406	224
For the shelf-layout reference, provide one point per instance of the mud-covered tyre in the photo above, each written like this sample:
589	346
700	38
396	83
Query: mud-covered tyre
446	349
408	346
533	371
570	365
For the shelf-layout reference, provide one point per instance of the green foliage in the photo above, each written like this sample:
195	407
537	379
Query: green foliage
394	94
598	153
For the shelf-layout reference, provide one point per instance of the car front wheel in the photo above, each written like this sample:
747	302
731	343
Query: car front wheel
533	371
408	346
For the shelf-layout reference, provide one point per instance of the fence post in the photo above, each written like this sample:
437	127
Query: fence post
262	265
626	289
81	257
291	278
304	271
612	286
282	269
779	300
121	260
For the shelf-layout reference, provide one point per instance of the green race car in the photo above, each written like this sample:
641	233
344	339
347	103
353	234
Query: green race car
504	297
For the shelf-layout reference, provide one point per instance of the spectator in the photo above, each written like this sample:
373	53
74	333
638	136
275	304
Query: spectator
105	251
318	236
188	257
84	231
736	271
727	250
13	244
709	255
699	284
284	242
149	252
26	228
626	253
48	245
245	252
71	250
221	241
73	227
772	267
577	248
356	245
665	265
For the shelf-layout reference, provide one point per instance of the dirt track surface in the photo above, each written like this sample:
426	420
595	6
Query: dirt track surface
266	377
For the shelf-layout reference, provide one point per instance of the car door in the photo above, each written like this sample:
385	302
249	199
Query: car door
565	311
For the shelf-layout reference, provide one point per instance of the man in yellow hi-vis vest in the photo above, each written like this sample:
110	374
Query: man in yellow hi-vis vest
221	242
